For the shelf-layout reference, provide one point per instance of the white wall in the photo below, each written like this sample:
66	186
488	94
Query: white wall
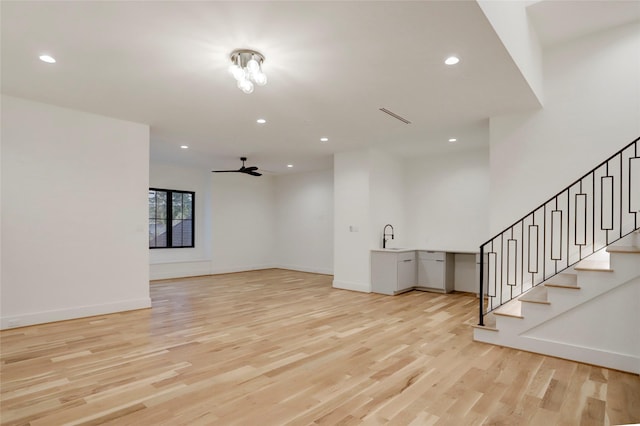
304	221
74	214
352	222
606	326
592	109
511	23
387	203
368	193
180	262
167	176
447	200
243	222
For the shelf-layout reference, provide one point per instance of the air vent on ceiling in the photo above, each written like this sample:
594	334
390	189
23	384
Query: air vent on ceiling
396	116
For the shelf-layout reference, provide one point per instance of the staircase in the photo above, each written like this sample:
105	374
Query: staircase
589	313
565	279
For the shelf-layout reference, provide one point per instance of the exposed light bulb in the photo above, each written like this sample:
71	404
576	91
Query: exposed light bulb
236	72
253	65
324	139
247	87
261	121
260	78
48	59
453	140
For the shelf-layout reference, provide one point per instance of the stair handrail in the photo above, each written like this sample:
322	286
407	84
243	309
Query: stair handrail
630	152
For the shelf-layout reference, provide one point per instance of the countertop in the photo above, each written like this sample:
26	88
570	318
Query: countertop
404	250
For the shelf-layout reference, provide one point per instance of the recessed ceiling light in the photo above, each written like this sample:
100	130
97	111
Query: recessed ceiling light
289	165
261	121
324	139
184	146
452	60
48	59
453	140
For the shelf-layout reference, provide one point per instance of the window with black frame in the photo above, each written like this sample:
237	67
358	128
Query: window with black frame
171	220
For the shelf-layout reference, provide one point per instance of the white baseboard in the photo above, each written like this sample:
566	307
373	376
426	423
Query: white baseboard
313	270
182	269
617	361
347	285
72	313
234	269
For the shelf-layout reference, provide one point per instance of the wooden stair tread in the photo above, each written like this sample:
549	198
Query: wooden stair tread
535	295
593	265
489	323
623	249
569	286
511	309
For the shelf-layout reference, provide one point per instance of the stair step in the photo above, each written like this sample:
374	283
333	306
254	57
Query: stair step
623	249
489	323
535	295
511	309
563	281
593	265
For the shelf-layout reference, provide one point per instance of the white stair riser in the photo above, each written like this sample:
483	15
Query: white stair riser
628	262
560	300
632	239
486	336
595	278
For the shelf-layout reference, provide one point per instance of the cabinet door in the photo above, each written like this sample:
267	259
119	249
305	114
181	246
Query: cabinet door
431	274
384	273
406	273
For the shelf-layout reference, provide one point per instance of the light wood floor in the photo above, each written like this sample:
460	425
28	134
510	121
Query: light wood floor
279	347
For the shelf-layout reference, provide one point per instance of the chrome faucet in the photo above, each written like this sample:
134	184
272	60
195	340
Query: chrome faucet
384	235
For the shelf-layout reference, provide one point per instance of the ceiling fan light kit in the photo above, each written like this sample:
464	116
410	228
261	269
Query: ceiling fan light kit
246	68
253	170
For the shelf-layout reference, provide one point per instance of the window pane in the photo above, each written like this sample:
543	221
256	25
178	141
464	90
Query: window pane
187	234
161	204
176	230
152	204
177	205
187	206
182	234
161	233
152	234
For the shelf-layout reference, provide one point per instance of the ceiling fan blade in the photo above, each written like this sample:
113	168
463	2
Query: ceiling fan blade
247	170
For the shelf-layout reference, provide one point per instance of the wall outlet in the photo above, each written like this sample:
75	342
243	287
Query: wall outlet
14	323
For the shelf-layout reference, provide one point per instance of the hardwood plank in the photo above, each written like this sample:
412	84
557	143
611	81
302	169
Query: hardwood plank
278	347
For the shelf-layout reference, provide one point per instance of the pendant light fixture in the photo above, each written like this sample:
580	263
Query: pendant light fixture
246	68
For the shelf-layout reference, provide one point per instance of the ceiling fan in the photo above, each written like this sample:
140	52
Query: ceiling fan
247	170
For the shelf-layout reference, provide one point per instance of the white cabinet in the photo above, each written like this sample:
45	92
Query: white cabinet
435	271
393	272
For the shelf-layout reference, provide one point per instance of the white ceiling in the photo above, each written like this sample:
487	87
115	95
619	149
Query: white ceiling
331	66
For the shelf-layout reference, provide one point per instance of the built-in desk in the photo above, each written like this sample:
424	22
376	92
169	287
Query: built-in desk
433	270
